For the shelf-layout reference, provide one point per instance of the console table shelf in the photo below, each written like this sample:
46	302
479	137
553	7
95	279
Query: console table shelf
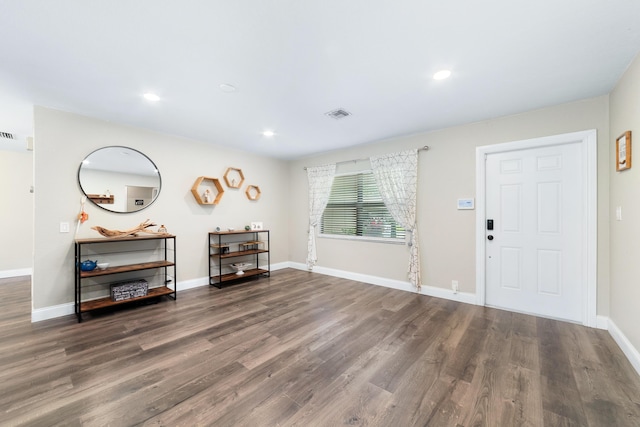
241	253
250	247
155	252
107	302
125	268
247	273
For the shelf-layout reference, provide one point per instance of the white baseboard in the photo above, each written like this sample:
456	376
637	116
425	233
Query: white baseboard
46	313
16	273
193	283
432	291
625	345
280	266
602	322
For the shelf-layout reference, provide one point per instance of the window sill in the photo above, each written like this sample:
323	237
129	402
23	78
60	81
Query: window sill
363	239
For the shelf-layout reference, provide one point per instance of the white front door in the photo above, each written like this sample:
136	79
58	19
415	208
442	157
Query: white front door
535	252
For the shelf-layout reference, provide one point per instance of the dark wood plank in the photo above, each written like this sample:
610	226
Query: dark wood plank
560	394
302	349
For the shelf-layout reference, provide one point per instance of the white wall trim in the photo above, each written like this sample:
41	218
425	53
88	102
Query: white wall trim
280	265
625	345
193	283
602	322
46	313
588	139
432	291
16	273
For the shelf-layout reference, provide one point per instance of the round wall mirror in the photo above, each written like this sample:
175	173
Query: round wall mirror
119	179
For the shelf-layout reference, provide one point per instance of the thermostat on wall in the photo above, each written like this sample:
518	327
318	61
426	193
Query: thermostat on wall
466	204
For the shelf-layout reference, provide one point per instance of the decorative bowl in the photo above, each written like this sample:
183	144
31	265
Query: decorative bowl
103	265
240	267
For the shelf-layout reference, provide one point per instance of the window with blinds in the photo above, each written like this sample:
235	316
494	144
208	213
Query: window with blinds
356	209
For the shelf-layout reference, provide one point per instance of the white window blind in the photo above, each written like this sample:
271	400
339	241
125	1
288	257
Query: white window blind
356	209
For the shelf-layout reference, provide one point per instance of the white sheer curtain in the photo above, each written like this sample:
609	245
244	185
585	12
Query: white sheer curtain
397	177
320	181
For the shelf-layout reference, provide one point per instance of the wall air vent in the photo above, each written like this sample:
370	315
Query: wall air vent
338	114
6	135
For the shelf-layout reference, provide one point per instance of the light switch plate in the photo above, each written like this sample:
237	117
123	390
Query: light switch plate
466	204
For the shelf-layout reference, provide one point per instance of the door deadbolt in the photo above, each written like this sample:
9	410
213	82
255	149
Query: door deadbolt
490	237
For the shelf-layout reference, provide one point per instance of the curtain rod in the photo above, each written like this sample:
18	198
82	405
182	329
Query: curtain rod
425	148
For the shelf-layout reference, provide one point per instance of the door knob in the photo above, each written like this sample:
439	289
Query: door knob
490	237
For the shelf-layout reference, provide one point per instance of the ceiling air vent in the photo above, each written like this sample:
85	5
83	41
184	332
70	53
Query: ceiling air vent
6	135
338	114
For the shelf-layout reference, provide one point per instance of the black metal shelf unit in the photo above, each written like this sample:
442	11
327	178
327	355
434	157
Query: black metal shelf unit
155	252
243	247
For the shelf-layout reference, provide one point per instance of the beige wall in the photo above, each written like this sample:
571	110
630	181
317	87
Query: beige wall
625	192
447	172
62	140
16	213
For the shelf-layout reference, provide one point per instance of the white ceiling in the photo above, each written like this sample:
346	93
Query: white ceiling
294	60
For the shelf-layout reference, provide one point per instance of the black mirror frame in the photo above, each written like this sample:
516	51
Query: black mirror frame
127	148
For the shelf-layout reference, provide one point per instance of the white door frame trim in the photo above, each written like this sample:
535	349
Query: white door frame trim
588	139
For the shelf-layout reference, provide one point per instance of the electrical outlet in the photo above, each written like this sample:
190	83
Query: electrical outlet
454	286
64	227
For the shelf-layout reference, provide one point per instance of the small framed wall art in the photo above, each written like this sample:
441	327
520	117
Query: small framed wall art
623	151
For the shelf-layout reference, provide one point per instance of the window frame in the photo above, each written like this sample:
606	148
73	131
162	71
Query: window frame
387	240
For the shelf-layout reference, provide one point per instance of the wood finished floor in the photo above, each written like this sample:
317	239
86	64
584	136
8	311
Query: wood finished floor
302	349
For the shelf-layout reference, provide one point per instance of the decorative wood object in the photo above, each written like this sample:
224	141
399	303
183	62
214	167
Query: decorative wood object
197	193
101	199
253	192
623	151
140	228
234	177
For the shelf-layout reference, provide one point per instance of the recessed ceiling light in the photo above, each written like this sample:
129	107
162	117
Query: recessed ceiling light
268	133
225	87
151	97
441	75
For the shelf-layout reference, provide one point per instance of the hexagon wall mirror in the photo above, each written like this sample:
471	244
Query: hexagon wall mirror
253	192
234	177
201	190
